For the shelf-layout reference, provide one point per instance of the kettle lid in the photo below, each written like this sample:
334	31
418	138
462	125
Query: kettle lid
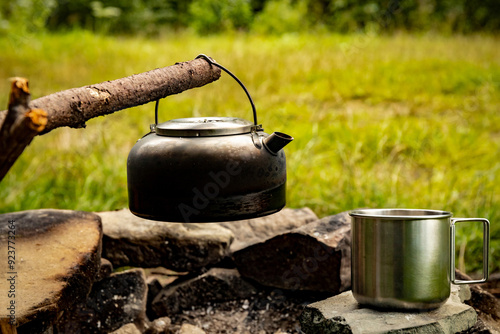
204	127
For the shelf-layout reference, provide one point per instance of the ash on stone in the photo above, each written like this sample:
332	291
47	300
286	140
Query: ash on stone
268	311
221	301
216	285
114	301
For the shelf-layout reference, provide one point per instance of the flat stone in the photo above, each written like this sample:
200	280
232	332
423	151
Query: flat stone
56	257
132	241
216	285
313	257
342	314
114	301
252	231
127	329
190	329
163	275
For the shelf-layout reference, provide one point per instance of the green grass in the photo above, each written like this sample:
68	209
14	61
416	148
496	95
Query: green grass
402	121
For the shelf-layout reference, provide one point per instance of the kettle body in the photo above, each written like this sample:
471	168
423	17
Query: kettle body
207	175
207	169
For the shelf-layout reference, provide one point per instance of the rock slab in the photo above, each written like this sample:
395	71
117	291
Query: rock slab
55	260
132	241
342	314
252	231
312	257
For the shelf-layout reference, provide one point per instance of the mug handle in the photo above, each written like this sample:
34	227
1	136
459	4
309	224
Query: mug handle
486	250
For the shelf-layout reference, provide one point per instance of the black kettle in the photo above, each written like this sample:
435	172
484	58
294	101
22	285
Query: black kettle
207	169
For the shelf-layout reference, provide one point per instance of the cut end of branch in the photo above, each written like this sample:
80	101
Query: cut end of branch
19	90
36	119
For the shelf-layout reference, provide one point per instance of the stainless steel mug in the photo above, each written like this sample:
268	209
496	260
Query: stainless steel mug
405	258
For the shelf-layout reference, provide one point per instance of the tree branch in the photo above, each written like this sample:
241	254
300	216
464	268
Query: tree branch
73	107
20	126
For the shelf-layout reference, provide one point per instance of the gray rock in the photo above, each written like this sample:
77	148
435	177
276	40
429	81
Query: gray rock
105	270
313	257
132	241
159	326
154	288
216	285
486	305
480	328
55	259
163	275
127	329
157	279
342	314
493	284
252	231
114	301
190	329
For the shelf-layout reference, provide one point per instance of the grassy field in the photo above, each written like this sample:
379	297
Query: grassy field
402	121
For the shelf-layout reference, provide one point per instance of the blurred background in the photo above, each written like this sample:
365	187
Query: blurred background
391	103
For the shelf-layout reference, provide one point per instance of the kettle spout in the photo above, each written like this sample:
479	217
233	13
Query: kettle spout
276	141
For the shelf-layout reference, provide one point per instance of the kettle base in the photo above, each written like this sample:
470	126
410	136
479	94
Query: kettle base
155	206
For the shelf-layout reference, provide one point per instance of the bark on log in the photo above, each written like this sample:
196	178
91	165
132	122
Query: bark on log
73	107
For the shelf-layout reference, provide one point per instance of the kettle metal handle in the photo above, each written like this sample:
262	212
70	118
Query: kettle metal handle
212	62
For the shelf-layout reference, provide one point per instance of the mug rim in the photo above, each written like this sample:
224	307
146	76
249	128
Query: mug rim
396	213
